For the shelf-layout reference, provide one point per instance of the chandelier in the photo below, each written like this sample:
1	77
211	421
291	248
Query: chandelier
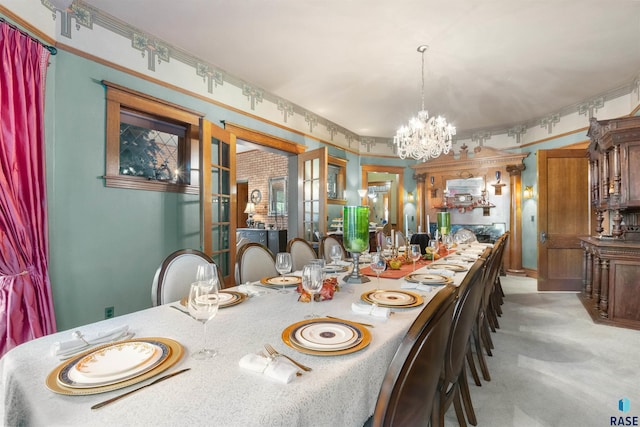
425	137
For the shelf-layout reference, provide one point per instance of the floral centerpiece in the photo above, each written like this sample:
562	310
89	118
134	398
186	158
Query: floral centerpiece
329	287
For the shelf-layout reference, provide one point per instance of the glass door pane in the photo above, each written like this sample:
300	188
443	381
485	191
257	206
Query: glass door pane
312	176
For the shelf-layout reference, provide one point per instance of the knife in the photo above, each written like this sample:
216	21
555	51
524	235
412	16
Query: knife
113	399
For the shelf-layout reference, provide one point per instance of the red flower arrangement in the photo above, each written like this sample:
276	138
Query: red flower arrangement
329	286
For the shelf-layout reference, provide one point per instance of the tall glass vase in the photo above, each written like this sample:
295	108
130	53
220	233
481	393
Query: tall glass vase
356	239
444	223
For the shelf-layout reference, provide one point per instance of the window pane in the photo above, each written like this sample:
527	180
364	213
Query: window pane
215	237
224	237
225	189
222	260
215	209
225	156
315	191
215	180
225	209
215	151
307	191
316	168
149	147
307	169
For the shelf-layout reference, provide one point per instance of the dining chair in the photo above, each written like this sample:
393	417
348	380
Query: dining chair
176	273
408	391
326	243
254	262
453	386
301	252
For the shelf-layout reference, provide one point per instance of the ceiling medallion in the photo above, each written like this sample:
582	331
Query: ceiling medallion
424	138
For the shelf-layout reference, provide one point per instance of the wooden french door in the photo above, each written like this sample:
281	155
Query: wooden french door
218	197
563	216
312	190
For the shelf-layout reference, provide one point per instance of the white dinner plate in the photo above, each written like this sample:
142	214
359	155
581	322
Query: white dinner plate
428	279
326	336
113	363
392	298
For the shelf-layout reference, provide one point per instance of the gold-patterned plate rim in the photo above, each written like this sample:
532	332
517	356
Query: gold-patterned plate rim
175	354
417	299
452	267
364	342
267	281
445	280
240	297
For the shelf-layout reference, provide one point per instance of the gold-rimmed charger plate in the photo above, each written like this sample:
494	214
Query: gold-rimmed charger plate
174	354
226	298
413	299
451	267
428	279
363	341
279	281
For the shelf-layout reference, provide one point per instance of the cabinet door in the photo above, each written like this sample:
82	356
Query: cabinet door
630	159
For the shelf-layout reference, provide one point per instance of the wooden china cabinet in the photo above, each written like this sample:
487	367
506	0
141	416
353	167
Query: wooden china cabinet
611	266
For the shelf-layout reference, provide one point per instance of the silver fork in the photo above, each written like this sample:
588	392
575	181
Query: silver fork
272	351
298	374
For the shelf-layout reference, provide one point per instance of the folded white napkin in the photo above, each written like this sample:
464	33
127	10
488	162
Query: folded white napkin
419	286
442	271
76	343
251	289
277	369
371	310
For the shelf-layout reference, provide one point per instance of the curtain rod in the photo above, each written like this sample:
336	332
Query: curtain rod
51	49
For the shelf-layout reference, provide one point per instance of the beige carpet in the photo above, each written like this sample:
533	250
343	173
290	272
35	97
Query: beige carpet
552	366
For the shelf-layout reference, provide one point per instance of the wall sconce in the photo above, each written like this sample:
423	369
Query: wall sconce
434	191
528	191
498	185
410	196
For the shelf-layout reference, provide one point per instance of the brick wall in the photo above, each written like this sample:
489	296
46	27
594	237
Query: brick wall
256	167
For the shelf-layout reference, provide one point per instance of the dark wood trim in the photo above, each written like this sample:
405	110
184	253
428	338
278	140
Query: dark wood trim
264	139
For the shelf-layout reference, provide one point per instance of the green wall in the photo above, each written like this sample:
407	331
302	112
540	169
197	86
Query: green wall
106	243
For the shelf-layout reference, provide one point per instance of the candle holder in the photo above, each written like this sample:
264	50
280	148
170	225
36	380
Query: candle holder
356	239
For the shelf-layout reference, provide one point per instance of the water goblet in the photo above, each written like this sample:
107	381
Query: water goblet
203	305
283	266
312	283
336	254
206	273
378	265
415	254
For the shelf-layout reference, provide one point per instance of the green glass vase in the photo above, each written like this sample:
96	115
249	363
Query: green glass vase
444	222
355	238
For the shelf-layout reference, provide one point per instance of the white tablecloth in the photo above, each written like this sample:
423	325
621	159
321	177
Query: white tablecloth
340	391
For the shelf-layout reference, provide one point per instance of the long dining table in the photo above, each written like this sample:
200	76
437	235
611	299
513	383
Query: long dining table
340	390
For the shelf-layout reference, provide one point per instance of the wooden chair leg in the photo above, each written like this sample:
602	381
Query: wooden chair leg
483	364
457	404
486	336
466	397
472	366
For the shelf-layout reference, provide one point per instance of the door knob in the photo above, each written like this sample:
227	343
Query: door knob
543	237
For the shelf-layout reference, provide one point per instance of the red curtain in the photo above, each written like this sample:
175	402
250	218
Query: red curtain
26	305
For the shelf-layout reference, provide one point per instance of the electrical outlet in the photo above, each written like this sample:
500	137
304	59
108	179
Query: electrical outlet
532	219
108	312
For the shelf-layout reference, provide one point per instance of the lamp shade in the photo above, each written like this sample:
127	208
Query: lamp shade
250	208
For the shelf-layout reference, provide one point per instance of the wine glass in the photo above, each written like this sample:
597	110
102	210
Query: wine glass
283	266
203	306
378	265
206	273
447	239
312	283
336	254
414	254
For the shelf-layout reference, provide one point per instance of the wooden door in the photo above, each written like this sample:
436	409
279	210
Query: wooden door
243	198
312	190
218	197
563	216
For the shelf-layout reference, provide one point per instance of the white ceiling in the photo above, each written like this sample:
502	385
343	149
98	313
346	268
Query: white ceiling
491	64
